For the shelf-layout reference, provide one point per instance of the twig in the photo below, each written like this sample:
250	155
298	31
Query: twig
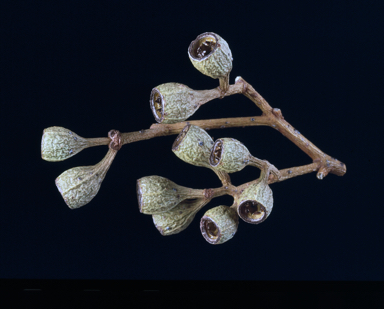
322	163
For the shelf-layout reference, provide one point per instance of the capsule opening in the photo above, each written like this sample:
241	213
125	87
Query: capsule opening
210	230
252	212
203	46
157	105
180	137
216	153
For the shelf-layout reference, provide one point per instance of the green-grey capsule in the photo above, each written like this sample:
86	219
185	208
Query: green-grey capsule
179	218
157	194
229	155
79	185
219	224
173	102
210	54
193	145
58	144
255	203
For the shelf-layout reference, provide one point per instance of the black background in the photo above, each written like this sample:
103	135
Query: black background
90	66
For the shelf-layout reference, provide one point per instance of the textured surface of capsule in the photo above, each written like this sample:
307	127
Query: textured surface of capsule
173	102
255	203
178	219
79	185
58	144
210	54
219	224
157	194
193	145
229	155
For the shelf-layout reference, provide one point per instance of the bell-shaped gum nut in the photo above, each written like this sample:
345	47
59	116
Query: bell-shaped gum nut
173	102
210	54
255	203
156	194
193	145
179	218
79	185
229	155
58	144
219	224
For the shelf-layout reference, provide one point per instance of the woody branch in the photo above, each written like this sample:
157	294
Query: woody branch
322	163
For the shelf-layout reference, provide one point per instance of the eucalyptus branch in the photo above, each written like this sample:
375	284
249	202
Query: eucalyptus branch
271	117
285	174
173	207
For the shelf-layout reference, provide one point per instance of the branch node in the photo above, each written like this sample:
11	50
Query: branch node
115	137
239	79
208	193
277	113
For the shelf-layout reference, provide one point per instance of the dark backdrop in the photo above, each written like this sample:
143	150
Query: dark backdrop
90	67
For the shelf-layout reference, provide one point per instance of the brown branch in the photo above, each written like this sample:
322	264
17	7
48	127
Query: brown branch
229	189
326	164
98	141
160	129
322	163
221	123
288	173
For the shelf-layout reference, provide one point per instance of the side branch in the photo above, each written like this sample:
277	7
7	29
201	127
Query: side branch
326	164
229	189
288	173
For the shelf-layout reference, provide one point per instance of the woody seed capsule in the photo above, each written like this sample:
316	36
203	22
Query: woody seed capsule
210	54
79	185
157	194
58	144
255	203
219	224
193	145
173	102
229	155
179	218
